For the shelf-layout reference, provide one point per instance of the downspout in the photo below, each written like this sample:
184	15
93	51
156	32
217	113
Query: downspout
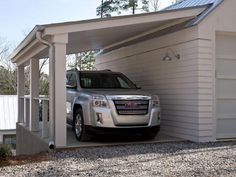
52	90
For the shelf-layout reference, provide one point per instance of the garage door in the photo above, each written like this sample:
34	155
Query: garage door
226	86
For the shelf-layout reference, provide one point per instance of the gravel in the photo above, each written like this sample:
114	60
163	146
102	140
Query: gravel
163	159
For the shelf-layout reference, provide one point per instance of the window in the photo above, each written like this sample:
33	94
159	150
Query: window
105	81
86	82
71	80
123	84
10	140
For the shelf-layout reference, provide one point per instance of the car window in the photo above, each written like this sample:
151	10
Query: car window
122	83
86	82
105	81
71	80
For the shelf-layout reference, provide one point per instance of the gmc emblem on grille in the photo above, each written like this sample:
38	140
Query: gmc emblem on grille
131	105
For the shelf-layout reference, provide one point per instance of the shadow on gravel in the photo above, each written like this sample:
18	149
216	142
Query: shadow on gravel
167	149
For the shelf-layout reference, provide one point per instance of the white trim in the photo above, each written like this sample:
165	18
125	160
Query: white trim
119	22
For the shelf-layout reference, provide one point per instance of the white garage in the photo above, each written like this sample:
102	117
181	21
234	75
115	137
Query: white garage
225	86
186	54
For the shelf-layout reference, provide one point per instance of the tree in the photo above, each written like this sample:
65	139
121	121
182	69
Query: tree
109	6
82	61
7	71
154	5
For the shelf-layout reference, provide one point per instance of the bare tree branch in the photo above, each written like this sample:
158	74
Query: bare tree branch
154	4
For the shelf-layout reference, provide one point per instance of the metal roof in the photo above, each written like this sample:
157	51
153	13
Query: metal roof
185	4
189	3
8	112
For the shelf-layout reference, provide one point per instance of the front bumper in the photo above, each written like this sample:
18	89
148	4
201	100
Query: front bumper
121	130
108	118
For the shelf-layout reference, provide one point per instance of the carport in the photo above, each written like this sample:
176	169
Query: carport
55	41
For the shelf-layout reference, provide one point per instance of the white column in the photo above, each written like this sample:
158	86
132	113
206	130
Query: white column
27	111
45	118
20	93
59	91
34	93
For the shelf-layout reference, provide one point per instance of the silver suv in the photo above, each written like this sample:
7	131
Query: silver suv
108	102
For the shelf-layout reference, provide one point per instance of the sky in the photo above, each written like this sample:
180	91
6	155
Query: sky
18	17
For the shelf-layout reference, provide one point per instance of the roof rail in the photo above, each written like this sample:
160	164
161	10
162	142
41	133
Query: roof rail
73	69
107	70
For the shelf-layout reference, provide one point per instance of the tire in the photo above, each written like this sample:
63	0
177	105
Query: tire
150	134
78	126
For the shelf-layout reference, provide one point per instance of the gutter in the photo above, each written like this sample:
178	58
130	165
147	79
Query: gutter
38	36
28	39
204	14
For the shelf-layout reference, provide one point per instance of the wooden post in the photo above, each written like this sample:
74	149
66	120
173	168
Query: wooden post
34	93
26	111
20	93
45	129
58	101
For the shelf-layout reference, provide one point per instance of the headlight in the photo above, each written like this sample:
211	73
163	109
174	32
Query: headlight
155	101
99	101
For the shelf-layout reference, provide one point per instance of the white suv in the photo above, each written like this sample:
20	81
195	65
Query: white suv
108	102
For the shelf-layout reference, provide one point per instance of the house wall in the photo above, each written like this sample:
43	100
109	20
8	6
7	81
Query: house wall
184	86
222	19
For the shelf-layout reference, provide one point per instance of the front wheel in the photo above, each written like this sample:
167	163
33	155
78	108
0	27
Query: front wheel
79	128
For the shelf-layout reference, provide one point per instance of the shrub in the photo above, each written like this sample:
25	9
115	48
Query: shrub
5	151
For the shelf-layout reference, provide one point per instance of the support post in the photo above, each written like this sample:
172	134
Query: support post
57	73
45	118
34	93
20	93
26	111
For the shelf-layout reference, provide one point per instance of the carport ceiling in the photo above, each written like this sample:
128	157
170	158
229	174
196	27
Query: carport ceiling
100	38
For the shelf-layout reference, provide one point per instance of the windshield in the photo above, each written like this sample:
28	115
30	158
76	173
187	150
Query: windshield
105	81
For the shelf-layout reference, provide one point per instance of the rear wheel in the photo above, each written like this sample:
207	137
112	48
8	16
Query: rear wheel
79	127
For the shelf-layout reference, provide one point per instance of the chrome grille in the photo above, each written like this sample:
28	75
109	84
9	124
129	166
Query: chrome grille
131	107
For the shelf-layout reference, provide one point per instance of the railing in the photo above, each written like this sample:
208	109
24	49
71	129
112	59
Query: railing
44	115
43	112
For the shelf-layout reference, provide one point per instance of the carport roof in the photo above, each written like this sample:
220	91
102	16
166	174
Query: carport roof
104	33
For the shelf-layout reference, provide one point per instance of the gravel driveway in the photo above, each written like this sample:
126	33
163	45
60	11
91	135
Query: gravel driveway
165	159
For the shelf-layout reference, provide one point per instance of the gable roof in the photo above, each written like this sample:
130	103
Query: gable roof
8	112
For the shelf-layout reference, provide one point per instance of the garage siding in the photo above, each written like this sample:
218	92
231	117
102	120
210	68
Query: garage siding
184	86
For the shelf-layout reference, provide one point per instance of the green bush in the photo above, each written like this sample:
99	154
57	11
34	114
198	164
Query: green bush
5	151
